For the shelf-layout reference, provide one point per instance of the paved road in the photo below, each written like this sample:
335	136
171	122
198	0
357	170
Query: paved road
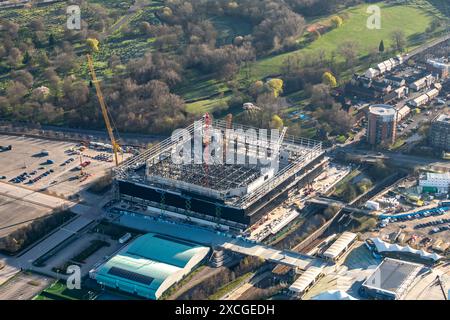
427	46
399	158
329	202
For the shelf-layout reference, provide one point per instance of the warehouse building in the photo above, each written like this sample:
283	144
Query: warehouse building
391	280
150	265
440	182
439	66
402	113
433	93
340	246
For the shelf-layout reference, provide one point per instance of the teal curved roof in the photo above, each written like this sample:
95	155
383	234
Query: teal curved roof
146	263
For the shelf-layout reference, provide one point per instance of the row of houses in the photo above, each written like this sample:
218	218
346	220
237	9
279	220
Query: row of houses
440	67
424	98
372	89
384	67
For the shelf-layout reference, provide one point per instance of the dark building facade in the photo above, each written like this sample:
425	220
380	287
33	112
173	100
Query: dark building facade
440	133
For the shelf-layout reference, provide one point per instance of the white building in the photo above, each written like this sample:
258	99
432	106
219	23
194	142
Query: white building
402	113
382	67
423	83
371	73
440	181
433	93
340	246
305	281
420	101
372	205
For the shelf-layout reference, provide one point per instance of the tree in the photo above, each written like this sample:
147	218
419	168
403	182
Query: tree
277	122
26	58
256	89
15	57
23	77
329	79
16	91
349	193
93	44
399	40
381	47
276	86
145	28
349	51
51	40
336	21
321	96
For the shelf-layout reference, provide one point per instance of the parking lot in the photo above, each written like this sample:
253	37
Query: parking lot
420	233
52	166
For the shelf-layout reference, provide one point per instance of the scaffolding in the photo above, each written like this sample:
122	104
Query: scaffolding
239	185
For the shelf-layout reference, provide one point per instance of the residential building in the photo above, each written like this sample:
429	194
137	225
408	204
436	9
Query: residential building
439	135
382	123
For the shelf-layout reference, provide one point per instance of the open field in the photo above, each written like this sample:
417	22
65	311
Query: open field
15	214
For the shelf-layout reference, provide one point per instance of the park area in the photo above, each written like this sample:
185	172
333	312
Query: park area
413	19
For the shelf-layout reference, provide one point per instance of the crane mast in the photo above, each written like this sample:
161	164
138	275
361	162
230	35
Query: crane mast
114	143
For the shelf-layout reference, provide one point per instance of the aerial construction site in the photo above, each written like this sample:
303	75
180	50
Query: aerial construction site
227	193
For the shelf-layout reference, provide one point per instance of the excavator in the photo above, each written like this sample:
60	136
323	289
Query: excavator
114	143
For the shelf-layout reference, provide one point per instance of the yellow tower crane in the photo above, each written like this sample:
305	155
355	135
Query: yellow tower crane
115	145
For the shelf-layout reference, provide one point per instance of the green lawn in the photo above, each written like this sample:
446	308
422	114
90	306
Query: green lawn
228	287
208	105
411	19
59	291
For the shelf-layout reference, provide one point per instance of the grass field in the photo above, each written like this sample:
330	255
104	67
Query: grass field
413	20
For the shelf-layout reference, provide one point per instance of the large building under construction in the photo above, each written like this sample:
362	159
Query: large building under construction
233	186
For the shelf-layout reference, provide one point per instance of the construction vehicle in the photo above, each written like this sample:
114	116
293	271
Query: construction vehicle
115	145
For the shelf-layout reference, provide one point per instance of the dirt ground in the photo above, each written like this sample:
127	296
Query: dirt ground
24	286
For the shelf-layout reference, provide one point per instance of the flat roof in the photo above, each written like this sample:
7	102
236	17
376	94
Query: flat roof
148	261
382	110
393	276
340	244
437	176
